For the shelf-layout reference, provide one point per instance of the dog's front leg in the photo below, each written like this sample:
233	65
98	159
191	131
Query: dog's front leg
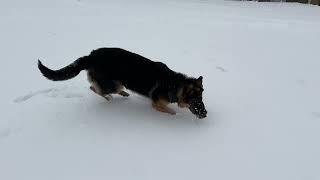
162	106
123	93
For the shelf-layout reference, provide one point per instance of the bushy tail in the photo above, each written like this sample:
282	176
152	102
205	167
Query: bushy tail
65	73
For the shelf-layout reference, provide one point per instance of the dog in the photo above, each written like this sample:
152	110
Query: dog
110	70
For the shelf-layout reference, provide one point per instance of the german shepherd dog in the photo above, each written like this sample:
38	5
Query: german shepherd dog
111	69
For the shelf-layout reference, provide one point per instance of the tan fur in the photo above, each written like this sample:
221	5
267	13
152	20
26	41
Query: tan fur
183	105
180	98
162	106
181	94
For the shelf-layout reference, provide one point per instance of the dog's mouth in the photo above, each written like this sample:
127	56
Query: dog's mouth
197	108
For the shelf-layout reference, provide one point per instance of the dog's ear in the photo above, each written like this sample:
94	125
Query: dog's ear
199	80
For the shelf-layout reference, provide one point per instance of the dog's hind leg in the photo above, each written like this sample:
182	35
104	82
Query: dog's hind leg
105	87
100	86
117	88
96	90
108	87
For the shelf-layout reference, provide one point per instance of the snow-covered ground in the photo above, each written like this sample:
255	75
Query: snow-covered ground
261	68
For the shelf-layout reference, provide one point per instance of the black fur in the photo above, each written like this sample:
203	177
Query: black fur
109	66
67	72
135	72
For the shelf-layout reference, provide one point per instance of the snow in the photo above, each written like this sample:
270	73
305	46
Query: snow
260	63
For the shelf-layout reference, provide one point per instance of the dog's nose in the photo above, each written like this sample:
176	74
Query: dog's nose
202	115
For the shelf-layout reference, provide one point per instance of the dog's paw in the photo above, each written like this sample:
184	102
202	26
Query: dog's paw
173	113
108	97
123	93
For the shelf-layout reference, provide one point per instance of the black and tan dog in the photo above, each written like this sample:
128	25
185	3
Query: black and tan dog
112	69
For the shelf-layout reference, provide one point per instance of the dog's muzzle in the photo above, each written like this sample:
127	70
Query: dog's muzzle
197	108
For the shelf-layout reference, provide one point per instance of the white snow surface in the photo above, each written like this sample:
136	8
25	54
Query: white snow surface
261	67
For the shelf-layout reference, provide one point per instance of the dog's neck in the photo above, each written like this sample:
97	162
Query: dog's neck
173	95
172	87
175	87
179	94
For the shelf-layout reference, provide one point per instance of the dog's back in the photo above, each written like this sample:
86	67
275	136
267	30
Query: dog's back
135	72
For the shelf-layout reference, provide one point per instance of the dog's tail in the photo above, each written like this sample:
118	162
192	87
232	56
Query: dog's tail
67	72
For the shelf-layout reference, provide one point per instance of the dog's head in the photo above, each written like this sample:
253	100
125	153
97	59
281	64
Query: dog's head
191	96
